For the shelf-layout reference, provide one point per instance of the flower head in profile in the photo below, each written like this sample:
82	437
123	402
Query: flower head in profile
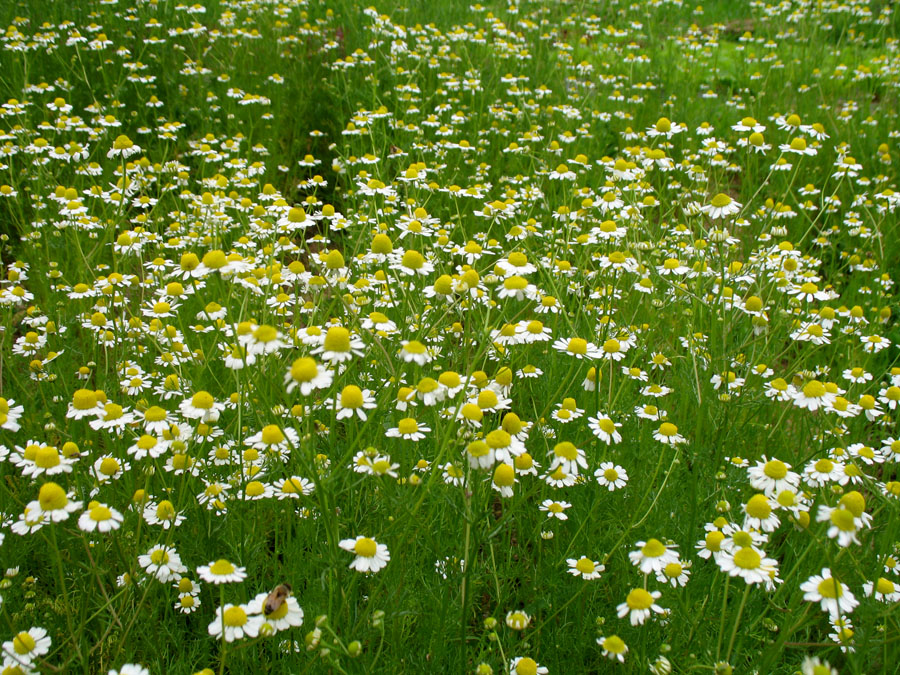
668	434
639	605
352	400
221	572
308	375
100	518
55	503
339	345
614	647
721	206
201	406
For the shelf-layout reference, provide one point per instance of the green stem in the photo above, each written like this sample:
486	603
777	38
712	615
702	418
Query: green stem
737	622
722	618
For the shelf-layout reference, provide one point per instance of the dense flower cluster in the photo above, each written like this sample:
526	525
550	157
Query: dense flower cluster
519	310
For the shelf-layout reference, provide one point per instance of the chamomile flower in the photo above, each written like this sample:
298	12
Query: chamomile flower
611	476
25	647
614	648
674	574
288	615
882	589
721	206
55	503
370	555
832	595
221	572
408	429
750	564
772	476
668	434
652	556
639	605
525	665
353	401
605	429
555	509
585	568
100	518
235	622
201	406
568	457
163	563
517	620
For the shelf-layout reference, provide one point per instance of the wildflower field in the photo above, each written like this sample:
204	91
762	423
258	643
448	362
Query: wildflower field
550	337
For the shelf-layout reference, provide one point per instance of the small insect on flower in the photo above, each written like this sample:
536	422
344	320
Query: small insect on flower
276	598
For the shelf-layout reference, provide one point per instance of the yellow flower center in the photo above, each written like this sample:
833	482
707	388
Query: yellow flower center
412	260
221	568
639	599
775	468
654	548
526	666
673	570
159	557
885	586
824	466
351	397
234	616
585	566
830	588
365	547
747	559
272	435
497	439
304	369
265	333
100	513
165	510
337	339
47	457
414	347
84	399
504	475
667	429
202	400
254	488
566	450
843	519
23	643
758	507
407	426
614	644
854	502
52	497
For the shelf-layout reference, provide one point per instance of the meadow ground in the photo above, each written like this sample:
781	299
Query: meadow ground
551	337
